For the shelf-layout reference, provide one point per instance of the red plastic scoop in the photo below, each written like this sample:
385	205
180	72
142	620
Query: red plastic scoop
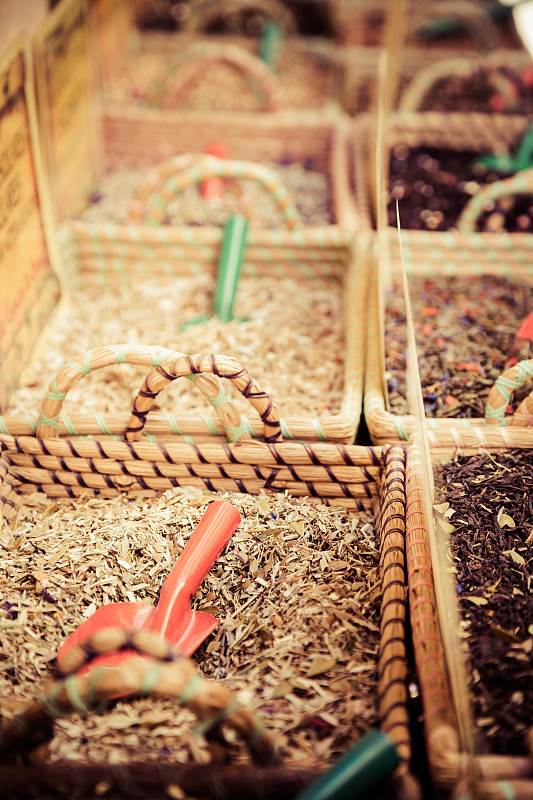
525	330
214	186
173	618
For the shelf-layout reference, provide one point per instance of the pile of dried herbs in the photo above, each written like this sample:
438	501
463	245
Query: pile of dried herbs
308	187
465	329
487	500
301	370
296	592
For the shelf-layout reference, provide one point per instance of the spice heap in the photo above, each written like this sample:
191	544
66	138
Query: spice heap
302	371
433	185
465	331
296	592
487	500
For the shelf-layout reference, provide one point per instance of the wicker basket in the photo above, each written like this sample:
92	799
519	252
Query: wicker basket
108	256
461	252
161	69
141	138
57	465
451	767
416	95
417	60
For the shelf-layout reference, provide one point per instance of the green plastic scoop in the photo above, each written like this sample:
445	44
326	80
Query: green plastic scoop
270	43
229	266
368	763
507	163
228	269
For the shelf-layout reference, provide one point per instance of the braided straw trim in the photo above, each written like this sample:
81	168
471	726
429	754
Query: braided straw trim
204	13
521	183
8	494
71	372
501	394
198	57
162	673
191	428
392	687
176	365
207	167
102	473
347	476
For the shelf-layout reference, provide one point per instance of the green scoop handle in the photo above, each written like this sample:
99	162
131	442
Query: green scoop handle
365	765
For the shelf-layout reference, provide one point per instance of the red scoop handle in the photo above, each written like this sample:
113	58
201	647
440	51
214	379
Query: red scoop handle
201	551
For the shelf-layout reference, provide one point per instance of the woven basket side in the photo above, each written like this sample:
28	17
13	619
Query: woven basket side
439	717
113	255
140	137
340	475
392	688
458	130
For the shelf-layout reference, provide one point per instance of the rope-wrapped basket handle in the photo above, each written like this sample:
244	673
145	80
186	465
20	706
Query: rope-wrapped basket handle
197	58
155	669
422	84
150	201
521	183
473	18
203	14
501	394
110	355
176	365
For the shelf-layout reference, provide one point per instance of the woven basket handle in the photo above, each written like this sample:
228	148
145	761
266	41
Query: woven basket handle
473	17
197	58
204	14
71	372
206	365
151	668
501	393
425	79
150	202
521	183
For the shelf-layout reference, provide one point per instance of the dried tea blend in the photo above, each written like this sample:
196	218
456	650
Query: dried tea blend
488	499
465	329
433	185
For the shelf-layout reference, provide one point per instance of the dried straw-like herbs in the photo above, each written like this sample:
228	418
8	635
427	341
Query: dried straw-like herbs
297	593
302	369
308	188
489	505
